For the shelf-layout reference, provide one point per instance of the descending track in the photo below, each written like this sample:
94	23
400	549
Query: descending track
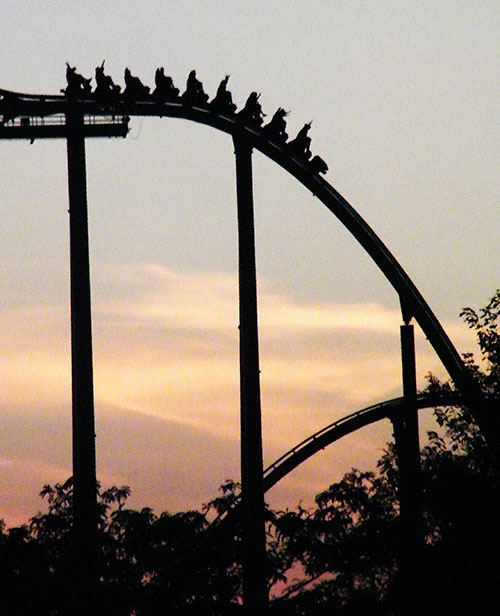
16	106
294	457
342	427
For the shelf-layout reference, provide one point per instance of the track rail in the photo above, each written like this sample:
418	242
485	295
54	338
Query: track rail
331	433
342	427
413	304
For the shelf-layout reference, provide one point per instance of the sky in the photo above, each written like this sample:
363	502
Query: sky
404	100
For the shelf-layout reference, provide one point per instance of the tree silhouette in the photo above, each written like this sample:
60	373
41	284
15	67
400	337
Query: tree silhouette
347	545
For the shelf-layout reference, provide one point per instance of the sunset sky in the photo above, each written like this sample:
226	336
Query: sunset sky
404	99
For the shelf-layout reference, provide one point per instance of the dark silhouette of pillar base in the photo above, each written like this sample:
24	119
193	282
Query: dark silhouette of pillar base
408	591
253	557
84	461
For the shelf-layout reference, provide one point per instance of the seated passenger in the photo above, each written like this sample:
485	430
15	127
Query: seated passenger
301	145
223	101
276	129
105	88
77	84
165	89
194	94
134	88
252	111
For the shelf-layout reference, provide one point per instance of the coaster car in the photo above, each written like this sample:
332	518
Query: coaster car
318	165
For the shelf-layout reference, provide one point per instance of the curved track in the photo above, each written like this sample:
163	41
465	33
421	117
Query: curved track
14	105
304	450
342	427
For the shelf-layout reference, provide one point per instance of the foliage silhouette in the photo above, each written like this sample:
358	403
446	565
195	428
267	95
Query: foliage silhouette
347	545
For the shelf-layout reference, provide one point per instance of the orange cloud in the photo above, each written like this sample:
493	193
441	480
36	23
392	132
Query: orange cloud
166	356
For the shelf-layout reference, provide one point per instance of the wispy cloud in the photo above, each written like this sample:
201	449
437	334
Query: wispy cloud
166	351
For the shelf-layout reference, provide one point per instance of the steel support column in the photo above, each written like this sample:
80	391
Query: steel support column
408	458
255	595
84	461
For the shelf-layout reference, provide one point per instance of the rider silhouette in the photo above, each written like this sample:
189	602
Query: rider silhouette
77	84
252	111
223	101
301	145
105	87
276	127
134	88
165	89
194	94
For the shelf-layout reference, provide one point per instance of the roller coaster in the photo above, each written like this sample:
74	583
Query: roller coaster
34	116
78	112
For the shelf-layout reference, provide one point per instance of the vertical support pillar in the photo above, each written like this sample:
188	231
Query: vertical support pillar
408	456
255	594
84	459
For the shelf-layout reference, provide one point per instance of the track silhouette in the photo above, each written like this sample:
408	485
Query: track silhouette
294	457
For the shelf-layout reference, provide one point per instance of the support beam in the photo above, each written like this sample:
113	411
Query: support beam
84	460
408	458
255	594
36	128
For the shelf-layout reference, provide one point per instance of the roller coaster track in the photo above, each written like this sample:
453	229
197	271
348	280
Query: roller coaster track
333	432
17	105
342	427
